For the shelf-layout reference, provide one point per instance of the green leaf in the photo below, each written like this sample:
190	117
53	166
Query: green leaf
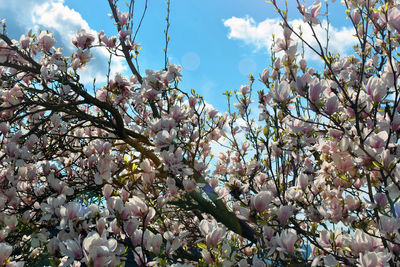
202	246
266	131
377	164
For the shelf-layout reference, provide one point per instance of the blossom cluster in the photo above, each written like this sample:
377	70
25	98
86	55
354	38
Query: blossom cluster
140	170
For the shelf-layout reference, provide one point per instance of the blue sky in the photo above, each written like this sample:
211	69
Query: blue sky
218	42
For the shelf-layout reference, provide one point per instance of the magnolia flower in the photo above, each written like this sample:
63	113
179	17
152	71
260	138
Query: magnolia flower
156	242
108	41
189	185
101	225
165	138
123	18
4	127
80	58
394	18
5	252
212	232
115	203
124	33
136	206
315	91
72	249
52	207
284	213
343	161
174	72
72	211
303	64
213	238
280	92
285	241
173	243
146	166
264	76
99	249
378	140
397	209
362	242
107	191
83	39
53	245
331	105
356	16
311	16
11	221
376	88
374	259
386	158
207	257
261	201
46	41
303	180
389	224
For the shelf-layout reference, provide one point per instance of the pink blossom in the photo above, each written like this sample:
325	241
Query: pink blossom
212	232
378	140
124	33
110	42
264	76
71	248
394	18
99	249
331	105
283	213
356	16
136	206
311	16
281	91
123	18
46	41
286	241
25	41
131	226
5	252
303	180
376	88
115	203
343	161
363	242
261	201
156	242
374	259
207	257
213	238
4	128
83	39
315	92
11	221
389	224
101	225
107	191
189	185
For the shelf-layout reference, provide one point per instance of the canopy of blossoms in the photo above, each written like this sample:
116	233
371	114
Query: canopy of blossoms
141	172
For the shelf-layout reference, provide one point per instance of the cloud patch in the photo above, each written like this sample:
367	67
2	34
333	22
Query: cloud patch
64	22
259	35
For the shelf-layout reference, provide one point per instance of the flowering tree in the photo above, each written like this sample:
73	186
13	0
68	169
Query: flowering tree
125	175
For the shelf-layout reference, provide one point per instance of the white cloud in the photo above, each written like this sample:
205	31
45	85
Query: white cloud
64	22
60	19
259	35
